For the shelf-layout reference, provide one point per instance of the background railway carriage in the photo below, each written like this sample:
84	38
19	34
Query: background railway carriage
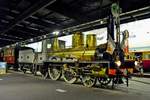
10	55
145	57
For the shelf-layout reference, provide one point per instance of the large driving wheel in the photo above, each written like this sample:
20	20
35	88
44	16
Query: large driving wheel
54	73
104	80
88	80
70	75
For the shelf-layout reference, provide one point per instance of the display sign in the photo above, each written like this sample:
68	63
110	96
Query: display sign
3	68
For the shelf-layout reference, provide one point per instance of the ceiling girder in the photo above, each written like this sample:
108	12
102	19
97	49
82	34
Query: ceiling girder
30	11
10	37
29	30
40	22
69	12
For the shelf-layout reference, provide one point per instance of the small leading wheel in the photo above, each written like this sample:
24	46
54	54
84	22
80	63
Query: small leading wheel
88	80
127	81
104	80
44	75
54	73
70	75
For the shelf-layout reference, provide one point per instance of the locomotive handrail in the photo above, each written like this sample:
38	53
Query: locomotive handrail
52	61
97	62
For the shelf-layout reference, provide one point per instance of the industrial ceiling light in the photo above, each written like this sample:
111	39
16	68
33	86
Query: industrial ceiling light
44	36
101	22
56	32
31	40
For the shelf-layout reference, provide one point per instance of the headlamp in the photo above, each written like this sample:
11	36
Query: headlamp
118	63
136	63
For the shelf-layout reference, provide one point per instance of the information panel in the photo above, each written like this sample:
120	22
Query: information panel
3	67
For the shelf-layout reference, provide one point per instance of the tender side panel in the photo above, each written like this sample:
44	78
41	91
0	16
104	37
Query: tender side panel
26	56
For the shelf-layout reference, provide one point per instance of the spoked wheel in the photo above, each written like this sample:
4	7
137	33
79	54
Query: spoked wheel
31	68
70	75
88	80
104	80
54	73
127	81
24	71
34	69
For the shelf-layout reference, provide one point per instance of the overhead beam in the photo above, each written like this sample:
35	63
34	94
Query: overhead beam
10	36
136	12
28	30
30	11
66	10
43	19
22	35
25	32
6	39
44	24
4	43
39	22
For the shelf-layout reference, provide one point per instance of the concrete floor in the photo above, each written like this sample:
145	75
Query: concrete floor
16	86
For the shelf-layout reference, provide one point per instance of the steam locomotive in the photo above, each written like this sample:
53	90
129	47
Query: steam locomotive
88	62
